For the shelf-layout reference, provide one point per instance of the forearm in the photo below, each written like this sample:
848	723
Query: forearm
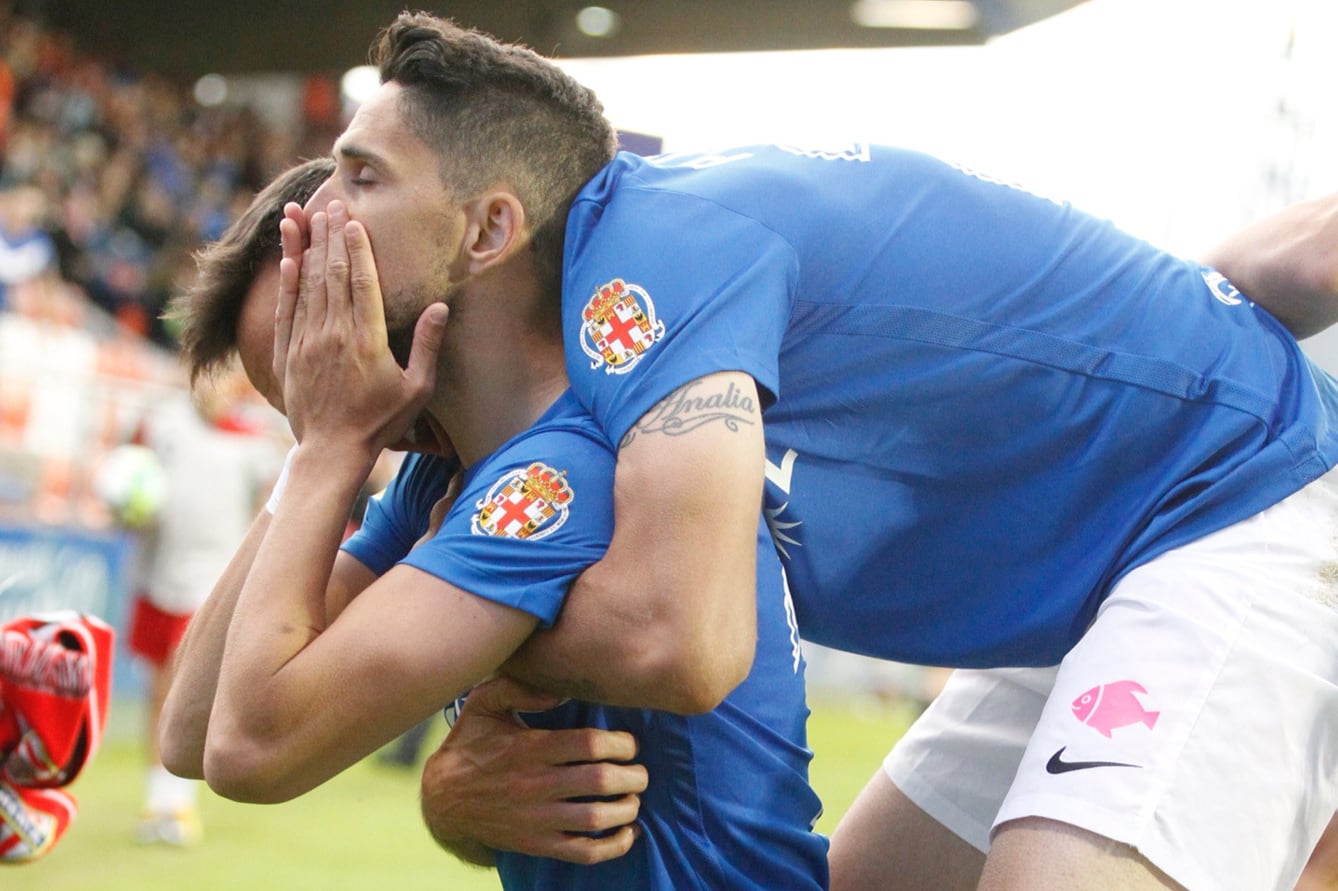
184	724
280	610
185	721
1288	263
596	652
619	644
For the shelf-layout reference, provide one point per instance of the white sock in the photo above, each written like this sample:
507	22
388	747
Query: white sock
167	793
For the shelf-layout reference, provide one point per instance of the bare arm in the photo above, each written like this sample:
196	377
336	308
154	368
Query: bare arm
185	717
668	618
1288	264
298	702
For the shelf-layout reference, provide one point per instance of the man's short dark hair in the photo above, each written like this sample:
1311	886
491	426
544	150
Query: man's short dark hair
498	112
209	311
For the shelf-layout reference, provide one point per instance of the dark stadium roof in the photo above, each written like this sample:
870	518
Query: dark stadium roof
187	38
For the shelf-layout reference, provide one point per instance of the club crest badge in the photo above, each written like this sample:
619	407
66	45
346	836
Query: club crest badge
527	502
618	325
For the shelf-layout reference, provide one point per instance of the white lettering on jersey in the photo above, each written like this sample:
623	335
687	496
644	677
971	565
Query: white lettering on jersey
792	620
697	160
986	178
780	477
852	151
1222	290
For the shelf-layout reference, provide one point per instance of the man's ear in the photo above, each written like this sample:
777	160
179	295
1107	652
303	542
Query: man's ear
495	226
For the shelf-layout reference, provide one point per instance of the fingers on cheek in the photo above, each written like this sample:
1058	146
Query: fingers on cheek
313	272
289	272
360	246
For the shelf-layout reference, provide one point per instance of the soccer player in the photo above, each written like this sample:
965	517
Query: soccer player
307	657
998	432
216	468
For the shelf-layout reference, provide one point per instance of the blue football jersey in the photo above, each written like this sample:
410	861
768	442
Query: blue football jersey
982	407
728	805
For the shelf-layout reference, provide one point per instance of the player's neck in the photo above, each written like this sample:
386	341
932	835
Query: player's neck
498	374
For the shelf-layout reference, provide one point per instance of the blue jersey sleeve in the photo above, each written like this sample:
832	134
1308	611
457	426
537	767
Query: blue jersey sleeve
529	519
397	516
645	314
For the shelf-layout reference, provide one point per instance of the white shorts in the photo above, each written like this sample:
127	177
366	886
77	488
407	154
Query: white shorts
1196	720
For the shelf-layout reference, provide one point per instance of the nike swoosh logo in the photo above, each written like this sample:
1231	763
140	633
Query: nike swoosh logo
1057	764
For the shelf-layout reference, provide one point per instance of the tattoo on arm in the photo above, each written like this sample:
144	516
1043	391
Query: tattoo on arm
692	406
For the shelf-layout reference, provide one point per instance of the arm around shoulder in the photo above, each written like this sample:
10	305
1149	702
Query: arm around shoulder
668	618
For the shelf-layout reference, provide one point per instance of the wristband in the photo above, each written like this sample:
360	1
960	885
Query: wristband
280	484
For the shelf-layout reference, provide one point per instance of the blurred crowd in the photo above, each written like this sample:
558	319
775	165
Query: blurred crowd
111	178
120	171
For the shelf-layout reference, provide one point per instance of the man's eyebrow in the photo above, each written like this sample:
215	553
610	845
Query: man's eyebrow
357	153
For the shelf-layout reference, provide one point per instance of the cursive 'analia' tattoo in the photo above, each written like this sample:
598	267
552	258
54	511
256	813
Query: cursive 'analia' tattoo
694	405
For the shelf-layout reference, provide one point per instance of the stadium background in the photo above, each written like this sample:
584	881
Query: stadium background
145	126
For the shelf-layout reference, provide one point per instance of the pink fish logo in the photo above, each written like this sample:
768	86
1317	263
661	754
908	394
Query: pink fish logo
1111	706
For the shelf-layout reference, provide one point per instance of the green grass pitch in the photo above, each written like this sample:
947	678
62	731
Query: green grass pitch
359	831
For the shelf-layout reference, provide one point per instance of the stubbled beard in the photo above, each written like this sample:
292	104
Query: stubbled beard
400	339
400	328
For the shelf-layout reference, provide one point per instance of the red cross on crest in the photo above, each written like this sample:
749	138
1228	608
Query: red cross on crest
619	326
527	502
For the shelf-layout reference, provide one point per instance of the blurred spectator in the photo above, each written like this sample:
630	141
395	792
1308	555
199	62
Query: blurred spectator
217	472
111	178
27	253
7	87
138	173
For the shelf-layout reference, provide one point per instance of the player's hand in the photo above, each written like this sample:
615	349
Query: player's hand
339	378
294	239
501	785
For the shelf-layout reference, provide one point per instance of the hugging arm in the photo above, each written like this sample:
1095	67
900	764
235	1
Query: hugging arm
667	618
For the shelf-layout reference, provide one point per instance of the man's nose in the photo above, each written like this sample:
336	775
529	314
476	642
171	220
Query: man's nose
320	198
